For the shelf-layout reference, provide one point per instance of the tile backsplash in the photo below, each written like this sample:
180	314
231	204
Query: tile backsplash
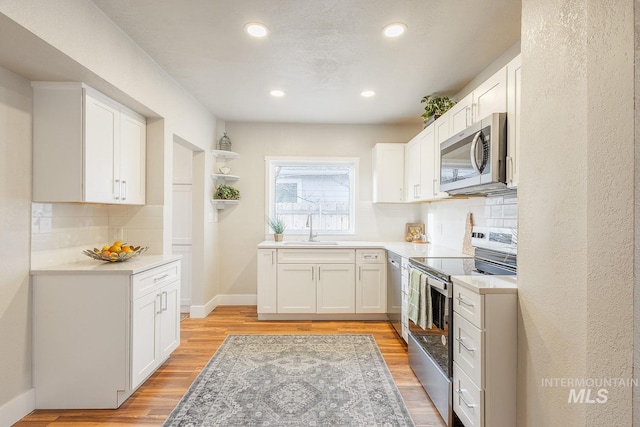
61	231
445	220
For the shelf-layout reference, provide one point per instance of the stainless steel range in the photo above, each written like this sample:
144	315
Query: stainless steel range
430	347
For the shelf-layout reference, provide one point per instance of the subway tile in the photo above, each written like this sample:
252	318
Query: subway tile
35	225
44	242
496	211
70	209
495	200
45	225
510	211
510	199
511	223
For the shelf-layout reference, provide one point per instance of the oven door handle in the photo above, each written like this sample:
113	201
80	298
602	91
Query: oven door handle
472	350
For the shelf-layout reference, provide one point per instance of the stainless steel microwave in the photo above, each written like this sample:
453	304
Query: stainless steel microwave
474	160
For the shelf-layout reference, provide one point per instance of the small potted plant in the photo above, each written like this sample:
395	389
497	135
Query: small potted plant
435	106
225	192
277	225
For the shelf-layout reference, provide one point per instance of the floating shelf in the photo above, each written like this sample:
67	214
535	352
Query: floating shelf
222	154
222	203
224	178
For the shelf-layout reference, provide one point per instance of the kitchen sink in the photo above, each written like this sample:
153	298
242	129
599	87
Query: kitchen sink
305	243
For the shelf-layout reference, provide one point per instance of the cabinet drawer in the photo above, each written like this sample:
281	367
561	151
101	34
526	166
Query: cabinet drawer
371	256
468	348
468	304
150	280
316	256
468	399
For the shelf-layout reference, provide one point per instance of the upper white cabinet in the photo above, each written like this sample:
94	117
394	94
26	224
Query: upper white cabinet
461	115
86	147
491	96
413	159
388	173
514	89
423	162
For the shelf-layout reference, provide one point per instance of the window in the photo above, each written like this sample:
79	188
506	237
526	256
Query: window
323	188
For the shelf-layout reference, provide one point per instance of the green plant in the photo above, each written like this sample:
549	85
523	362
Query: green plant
436	106
224	192
277	224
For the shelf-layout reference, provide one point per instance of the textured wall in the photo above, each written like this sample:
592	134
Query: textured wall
575	209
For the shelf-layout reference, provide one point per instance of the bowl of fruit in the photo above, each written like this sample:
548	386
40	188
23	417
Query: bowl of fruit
117	252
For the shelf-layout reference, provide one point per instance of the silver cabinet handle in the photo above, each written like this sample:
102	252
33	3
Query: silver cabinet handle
319	273
159	304
401	194
459	393
359	273
312	268
124	197
418	186
166	301
472	350
462	301
157	279
272	257
116	184
510	169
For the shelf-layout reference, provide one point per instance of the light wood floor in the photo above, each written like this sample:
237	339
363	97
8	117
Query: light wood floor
153	401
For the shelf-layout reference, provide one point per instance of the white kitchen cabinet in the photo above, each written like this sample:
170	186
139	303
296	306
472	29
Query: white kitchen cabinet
514	90
267	275
296	288
371	281
101	144
461	115
335	288
100	331
485	327
412	162
388	173
491	96
442	128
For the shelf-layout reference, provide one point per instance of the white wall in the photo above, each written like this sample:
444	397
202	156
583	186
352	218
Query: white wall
243	226
15	226
576	198
88	48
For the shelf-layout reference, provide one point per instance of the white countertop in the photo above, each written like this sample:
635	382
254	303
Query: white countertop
133	266
483	284
407	250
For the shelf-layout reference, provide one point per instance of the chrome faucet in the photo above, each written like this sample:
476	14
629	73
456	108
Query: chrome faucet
312	237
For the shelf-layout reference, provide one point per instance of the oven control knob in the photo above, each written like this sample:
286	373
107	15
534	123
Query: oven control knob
443	338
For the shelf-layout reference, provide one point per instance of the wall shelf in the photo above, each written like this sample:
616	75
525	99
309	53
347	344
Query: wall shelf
215	177
225	155
222	203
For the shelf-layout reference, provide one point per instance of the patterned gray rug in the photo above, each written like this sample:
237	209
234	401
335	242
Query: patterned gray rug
293	380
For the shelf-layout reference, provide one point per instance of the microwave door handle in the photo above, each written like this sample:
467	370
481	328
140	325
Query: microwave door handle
472	155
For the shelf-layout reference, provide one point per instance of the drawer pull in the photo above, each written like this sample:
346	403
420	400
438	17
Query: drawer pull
462	301
459	392
371	257
157	279
467	348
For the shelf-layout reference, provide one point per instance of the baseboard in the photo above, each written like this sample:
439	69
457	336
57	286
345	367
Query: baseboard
17	408
202	311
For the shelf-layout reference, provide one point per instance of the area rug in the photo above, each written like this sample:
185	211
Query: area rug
293	380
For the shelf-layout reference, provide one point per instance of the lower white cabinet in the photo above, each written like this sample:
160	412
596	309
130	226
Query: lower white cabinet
484	355
321	281
99	333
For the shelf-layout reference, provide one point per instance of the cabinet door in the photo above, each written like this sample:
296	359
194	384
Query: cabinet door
144	348
169	324
460	114
336	288
296	289
412	163
514	88
267	273
101	151
371	288
388	173
133	131
443	129
491	96
428	163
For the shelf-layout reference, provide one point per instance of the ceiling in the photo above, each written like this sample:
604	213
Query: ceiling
321	53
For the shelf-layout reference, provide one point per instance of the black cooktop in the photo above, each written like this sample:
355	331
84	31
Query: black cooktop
444	268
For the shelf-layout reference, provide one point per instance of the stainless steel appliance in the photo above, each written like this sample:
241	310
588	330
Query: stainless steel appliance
430	350
474	160
394	291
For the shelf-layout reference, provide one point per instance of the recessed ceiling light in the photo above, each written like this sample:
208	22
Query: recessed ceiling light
394	30
367	93
277	93
256	29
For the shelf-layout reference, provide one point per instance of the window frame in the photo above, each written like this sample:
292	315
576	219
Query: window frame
271	162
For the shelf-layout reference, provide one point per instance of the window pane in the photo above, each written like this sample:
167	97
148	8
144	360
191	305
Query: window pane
322	190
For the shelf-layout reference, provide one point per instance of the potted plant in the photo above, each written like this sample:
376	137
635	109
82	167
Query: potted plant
277	225
225	192
435	106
